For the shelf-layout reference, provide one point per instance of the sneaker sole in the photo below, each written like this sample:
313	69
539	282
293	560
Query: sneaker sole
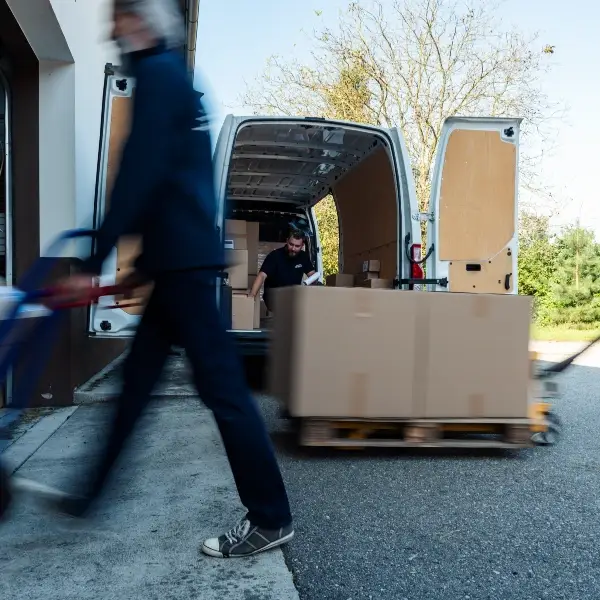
216	554
46	492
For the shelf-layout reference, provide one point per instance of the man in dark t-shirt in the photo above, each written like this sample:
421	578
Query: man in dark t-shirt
283	267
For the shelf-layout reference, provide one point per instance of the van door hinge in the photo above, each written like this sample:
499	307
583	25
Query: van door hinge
422	217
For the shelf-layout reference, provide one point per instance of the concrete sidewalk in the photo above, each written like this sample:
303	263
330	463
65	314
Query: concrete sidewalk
558	351
173	490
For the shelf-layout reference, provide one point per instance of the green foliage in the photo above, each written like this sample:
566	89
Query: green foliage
562	273
575	286
537	262
327	221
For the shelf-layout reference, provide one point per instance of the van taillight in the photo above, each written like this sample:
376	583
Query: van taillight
416	269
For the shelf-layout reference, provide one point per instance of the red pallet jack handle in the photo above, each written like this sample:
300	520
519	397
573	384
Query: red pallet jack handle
51	297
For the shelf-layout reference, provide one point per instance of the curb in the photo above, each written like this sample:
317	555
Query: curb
30	442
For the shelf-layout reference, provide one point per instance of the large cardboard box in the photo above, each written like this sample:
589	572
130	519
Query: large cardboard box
237	261
476	363
245	312
342	352
252	234
373	353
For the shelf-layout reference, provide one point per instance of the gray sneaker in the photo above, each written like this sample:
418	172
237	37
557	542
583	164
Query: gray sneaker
246	539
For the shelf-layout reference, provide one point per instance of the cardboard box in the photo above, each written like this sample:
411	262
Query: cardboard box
252	233
235	242
235	227
365	276
340	280
476	363
339	352
245	312
237	261
377	284
371	266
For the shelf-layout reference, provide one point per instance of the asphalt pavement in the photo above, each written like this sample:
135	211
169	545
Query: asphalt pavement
400	525
386	525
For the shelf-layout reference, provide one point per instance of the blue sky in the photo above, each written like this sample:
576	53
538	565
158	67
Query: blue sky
236	37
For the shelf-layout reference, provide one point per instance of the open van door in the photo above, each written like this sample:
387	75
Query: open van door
473	233
116	113
117	107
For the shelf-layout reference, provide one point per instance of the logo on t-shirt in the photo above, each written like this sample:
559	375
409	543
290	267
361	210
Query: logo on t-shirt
298	266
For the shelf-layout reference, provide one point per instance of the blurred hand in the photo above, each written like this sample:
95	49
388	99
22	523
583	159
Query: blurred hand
75	287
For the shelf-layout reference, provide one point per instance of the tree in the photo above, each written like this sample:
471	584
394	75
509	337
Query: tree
537	262
575	288
327	221
412	64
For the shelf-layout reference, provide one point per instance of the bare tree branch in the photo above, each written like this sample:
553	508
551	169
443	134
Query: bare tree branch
413	63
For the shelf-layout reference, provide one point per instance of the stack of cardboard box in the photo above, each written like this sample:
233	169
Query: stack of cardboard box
241	250
361	353
368	278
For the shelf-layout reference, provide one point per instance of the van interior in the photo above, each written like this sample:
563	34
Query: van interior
281	169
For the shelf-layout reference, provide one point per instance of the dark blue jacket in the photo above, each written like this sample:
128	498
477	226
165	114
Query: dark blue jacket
164	189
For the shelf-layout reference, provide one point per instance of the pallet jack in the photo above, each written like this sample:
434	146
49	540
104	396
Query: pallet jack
546	423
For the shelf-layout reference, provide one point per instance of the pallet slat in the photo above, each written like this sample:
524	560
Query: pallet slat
357	433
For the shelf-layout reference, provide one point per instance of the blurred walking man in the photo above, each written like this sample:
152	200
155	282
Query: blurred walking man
164	190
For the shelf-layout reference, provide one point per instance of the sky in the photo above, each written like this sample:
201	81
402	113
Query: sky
236	37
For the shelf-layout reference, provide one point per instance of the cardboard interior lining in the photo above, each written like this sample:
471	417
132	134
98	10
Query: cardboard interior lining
128	248
366	200
477	196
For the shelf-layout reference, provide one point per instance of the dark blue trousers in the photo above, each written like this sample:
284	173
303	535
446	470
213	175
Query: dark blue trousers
182	310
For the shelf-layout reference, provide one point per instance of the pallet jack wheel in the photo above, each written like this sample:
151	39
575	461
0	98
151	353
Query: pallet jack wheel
552	434
5	493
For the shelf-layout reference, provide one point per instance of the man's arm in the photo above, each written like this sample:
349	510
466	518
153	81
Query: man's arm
258	282
144	163
266	270
308	267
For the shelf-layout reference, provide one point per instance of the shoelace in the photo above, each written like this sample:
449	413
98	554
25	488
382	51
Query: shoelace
239	532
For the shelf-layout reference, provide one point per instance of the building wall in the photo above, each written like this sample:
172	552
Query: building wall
72	45
86	28
60	48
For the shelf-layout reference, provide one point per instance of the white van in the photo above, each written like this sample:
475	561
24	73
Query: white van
272	169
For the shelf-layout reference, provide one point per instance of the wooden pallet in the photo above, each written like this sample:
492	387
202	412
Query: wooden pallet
429	433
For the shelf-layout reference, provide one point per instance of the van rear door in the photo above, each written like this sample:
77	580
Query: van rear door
116	112
117	106
473	207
